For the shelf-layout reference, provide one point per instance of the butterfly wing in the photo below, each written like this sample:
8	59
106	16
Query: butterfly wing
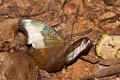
40	35
51	38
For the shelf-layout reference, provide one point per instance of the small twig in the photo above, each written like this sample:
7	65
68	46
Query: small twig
108	20
64	3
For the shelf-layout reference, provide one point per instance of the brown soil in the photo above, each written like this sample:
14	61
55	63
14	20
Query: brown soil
89	18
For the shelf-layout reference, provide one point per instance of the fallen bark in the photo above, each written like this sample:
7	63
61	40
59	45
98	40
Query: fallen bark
104	68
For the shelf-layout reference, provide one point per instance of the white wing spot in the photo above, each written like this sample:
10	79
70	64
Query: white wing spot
34	36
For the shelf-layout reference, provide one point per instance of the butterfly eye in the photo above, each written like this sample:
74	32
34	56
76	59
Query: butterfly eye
55	35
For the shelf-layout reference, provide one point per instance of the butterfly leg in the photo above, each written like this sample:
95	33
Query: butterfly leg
91	62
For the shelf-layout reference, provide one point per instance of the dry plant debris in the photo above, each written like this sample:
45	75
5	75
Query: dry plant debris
91	17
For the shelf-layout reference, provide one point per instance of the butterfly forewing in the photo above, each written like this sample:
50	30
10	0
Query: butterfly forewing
42	36
52	39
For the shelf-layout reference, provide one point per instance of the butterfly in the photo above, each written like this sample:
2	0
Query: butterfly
51	52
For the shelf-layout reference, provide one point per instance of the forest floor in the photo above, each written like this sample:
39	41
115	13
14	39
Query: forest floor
79	18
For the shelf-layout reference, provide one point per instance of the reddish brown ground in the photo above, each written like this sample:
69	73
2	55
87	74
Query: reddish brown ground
82	16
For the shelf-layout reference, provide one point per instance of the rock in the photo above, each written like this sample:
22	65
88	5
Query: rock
6	30
8	38
44	75
17	66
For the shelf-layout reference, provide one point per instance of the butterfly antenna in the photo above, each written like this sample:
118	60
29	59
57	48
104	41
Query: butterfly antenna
71	37
77	13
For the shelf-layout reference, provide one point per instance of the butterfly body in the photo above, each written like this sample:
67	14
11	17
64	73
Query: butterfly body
50	59
51	51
